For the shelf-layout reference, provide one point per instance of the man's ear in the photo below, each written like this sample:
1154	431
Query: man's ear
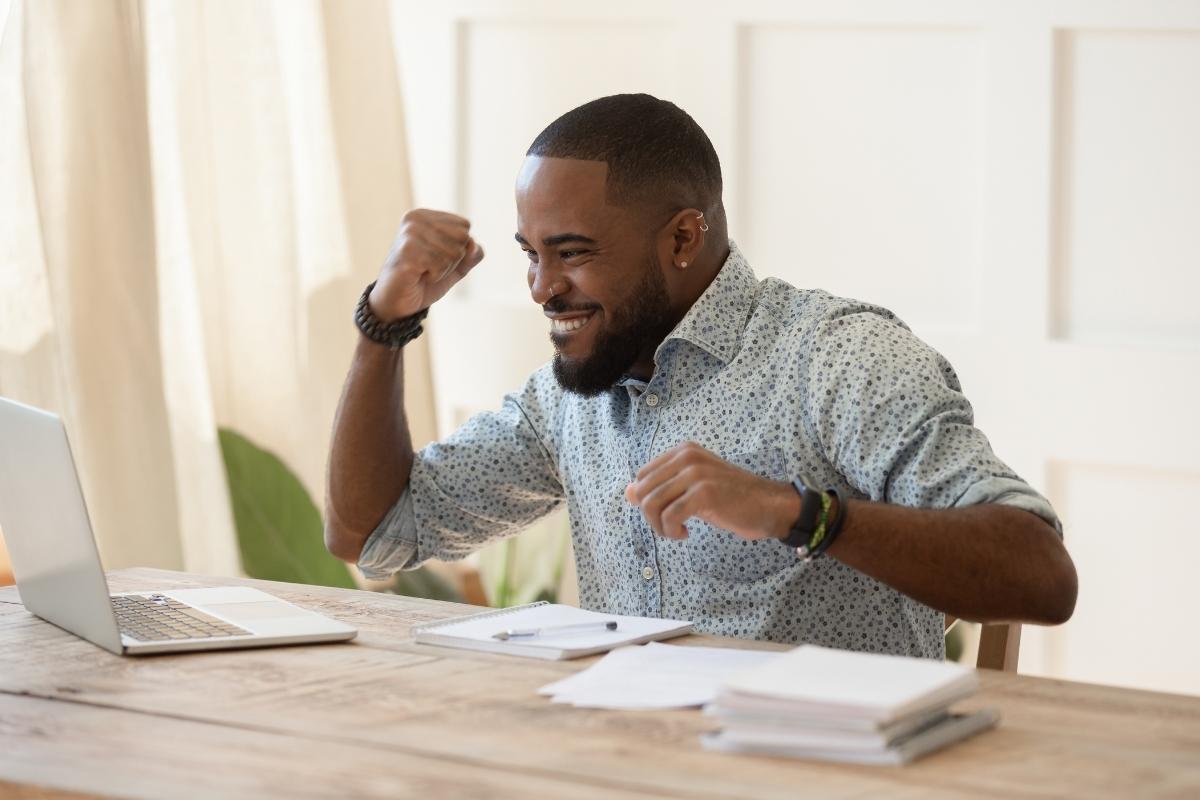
687	231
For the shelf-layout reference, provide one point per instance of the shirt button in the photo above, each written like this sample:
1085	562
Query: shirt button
647	572
652	400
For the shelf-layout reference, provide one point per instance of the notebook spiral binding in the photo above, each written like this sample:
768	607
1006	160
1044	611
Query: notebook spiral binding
496	612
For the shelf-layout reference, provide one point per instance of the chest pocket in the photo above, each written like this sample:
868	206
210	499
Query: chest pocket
717	553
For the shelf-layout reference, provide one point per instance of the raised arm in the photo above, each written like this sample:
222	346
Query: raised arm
371	453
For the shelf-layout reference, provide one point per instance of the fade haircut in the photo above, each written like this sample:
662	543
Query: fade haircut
656	153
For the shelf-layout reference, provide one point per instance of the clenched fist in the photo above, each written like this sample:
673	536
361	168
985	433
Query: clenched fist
433	251
688	481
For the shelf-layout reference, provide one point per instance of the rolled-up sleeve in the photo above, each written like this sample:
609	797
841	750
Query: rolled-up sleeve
491	478
392	546
890	415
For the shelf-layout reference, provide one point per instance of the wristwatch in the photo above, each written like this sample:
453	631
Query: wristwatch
811	504
816	528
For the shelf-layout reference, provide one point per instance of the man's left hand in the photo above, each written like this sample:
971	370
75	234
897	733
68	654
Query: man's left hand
688	481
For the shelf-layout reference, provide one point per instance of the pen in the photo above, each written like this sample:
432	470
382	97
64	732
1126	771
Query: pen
610	625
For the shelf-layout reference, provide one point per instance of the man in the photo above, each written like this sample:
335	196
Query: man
706	430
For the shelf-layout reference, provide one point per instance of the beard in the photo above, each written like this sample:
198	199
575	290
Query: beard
638	324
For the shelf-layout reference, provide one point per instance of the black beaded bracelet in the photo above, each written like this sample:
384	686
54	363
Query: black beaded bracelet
393	334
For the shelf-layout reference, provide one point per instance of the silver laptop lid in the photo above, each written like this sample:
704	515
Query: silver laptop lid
46	527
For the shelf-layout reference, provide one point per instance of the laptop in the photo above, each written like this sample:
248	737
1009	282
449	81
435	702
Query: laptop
59	577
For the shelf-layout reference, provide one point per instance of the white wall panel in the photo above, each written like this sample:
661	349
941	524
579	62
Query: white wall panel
1128	260
1136	616
862	150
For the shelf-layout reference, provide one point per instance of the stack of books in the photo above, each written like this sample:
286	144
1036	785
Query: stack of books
835	705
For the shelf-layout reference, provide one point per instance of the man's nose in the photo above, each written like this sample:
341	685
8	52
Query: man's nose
544	283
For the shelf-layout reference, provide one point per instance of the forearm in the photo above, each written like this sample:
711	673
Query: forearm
371	453
986	563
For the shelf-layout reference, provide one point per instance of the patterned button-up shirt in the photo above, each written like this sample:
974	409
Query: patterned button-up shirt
774	379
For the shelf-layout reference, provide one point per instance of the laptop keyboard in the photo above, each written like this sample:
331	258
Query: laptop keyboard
159	618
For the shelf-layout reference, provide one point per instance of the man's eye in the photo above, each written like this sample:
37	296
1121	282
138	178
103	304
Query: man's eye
529	253
568	254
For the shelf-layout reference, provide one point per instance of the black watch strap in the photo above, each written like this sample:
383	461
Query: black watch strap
810	511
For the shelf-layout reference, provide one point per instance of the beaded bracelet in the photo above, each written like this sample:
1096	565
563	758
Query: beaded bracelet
819	534
822	540
393	334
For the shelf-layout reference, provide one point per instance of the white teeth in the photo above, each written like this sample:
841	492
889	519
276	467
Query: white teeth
567	325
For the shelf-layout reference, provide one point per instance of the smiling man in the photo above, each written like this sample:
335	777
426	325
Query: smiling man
767	461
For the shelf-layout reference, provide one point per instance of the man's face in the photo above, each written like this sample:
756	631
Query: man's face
595	270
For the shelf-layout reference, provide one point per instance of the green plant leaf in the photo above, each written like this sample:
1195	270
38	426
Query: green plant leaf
528	566
279	530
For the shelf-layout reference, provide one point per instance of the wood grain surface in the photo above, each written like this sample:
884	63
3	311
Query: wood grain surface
381	716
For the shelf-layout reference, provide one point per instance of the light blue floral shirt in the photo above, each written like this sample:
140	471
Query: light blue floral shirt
774	379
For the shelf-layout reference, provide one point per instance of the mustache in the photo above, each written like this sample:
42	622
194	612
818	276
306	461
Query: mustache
556	305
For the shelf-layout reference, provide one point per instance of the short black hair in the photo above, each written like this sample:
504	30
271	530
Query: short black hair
655	151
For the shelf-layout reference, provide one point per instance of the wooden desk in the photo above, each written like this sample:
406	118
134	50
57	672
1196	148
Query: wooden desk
384	717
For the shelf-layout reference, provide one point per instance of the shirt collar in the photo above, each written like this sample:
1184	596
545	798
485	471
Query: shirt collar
715	322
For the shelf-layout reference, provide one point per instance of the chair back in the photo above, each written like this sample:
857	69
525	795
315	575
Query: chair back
999	645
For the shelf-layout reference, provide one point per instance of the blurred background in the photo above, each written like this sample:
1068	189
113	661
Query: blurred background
193	194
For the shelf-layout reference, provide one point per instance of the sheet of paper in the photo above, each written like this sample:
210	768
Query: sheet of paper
654	676
483	627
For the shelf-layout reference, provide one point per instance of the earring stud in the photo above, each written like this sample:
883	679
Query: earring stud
682	264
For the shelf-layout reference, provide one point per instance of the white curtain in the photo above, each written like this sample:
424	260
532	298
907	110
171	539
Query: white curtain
192	195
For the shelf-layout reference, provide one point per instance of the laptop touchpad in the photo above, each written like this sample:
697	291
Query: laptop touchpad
248	612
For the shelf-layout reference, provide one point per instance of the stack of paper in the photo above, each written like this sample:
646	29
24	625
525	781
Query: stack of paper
654	676
835	705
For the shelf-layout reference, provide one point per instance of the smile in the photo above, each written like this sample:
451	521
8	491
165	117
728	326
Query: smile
570	324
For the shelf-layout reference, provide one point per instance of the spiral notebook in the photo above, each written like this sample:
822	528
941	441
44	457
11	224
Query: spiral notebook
591	632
